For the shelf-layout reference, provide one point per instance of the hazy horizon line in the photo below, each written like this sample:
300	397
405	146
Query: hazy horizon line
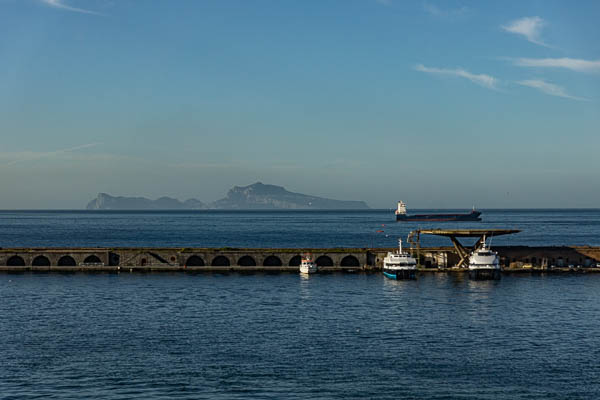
288	209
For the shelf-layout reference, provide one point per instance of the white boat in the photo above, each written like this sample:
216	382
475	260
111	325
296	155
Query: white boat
484	263
307	265
399	265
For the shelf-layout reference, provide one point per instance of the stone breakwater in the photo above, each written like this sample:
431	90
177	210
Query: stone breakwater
512	258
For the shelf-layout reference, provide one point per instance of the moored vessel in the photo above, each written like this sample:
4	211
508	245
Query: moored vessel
401	215
484	263
399	265
307	265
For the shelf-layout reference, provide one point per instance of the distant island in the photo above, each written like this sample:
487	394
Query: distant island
256	196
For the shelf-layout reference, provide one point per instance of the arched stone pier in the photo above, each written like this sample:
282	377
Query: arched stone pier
512	257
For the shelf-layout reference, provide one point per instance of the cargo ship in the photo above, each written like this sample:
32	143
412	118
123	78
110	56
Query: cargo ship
401	215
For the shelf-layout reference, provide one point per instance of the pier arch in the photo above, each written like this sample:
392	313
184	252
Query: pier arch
350	261
41	261
324	261
93	259
295	261
15	261
114	259
220	261
66	261
194	261
272	261
246	261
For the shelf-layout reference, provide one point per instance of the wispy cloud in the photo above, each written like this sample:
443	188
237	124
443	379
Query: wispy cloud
61	4
530	27
549	88
243	165
484	80
436	11
568	63
32	155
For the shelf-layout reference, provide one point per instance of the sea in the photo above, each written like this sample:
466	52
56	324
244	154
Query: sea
285	336
282	229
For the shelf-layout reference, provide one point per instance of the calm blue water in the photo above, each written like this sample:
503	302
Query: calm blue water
281	336
185	336
278	228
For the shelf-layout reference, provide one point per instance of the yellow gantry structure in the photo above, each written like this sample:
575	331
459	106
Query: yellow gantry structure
414	238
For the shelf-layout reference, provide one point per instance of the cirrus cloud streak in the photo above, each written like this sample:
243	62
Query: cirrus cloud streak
549	88
530	27
31	155
484	80
60	4
573	64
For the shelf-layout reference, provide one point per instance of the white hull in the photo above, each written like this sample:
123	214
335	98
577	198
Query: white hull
484	264
307	265
399	265
308	269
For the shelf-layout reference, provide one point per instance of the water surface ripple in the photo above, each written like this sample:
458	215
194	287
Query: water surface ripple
280	229
273	336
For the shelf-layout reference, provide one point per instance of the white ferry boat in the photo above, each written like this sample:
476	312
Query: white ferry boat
307	265
399	265
484	263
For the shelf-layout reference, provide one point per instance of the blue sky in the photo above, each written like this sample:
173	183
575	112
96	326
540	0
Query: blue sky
440	104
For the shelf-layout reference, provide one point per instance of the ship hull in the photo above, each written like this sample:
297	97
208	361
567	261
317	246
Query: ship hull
485	274
472	216
400	274
308	270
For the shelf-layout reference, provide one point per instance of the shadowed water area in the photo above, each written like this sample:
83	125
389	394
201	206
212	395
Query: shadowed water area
163	336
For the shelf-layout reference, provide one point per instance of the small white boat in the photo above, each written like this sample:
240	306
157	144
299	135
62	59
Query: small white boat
484	263
399	265
307	265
